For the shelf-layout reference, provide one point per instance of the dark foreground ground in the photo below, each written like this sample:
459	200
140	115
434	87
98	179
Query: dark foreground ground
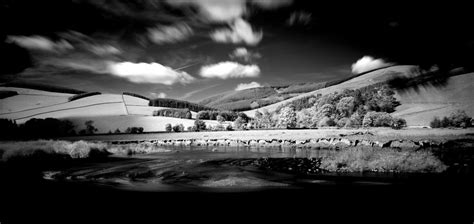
27	198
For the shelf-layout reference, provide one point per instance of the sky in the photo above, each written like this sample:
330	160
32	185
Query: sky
190	50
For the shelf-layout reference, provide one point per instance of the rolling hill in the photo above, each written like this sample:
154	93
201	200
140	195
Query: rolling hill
254	98
418	107
354	83
244	99
108	111
111	111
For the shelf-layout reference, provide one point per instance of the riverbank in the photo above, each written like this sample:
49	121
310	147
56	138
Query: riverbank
314	138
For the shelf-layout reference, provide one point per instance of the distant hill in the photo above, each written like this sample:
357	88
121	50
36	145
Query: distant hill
244	99
108	111
249	99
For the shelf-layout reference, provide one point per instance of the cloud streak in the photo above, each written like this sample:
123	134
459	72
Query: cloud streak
159	95
243	54
250	85
368	63
299	18
40	43
169	34
239	32
226	70
271	4
215	10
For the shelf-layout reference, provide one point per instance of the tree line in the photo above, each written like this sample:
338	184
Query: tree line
180	104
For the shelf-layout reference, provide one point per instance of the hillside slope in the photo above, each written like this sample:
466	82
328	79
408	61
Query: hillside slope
243	99
355	83
420	106
108	111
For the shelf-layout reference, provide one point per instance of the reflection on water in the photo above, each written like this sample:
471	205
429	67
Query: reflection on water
207	168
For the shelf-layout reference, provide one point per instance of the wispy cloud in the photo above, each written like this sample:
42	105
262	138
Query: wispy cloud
158	95
250	85
40	43
151	73
271	4
169	34
368	63
194	92
103	50
215	10
299	18
240	31
225	70
227	10
243	54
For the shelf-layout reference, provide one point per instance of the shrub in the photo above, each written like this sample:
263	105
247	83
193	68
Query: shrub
243	116
458	119
326	110
218	127
377	119
134	130
343	122
355	121
44	150
326	122
398	123
287	117
177	113
199	125
220	118
90	129
82	95
383	119
228	115
229	128
168	128
178	128
203	115
445	122
358	159
345	106
435	123
304	102
240	123
304	118
117	131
